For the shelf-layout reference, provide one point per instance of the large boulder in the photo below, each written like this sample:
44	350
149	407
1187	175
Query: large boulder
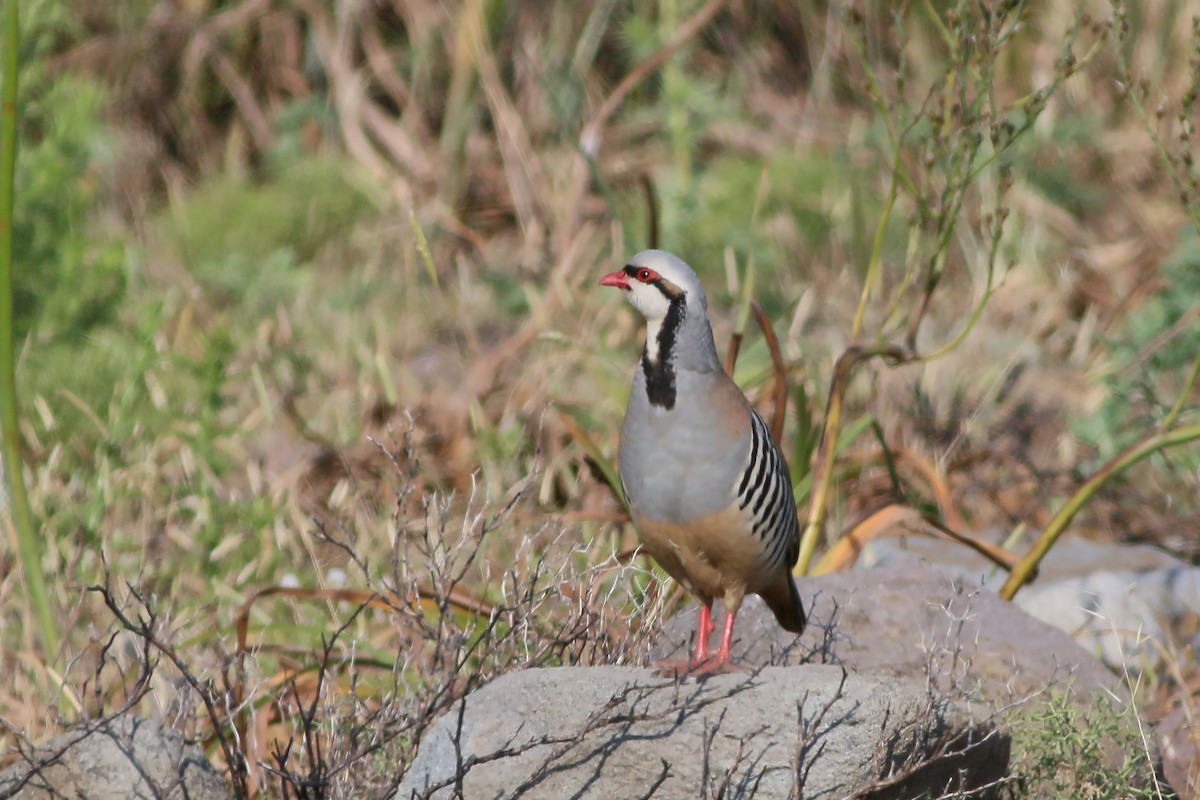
615	732
126	757
907	679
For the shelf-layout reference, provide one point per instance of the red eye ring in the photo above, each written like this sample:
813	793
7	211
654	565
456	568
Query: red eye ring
645	275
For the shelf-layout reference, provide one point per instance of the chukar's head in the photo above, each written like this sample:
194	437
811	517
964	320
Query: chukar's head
654	280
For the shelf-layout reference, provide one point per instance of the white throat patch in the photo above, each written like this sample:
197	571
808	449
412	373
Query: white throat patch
653	326
654	307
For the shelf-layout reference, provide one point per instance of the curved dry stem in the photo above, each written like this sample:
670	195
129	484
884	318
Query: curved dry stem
1023	572
822	478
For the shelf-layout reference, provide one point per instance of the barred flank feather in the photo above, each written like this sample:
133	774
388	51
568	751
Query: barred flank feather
766	489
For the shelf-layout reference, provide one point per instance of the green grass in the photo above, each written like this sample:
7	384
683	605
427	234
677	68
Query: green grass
72	277
23	525
240	237
1148	355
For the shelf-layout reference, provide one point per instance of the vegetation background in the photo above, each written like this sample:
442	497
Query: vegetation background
305	302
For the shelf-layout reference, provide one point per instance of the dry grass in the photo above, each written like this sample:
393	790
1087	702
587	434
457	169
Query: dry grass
287	402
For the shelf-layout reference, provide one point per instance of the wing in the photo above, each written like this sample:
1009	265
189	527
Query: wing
765	490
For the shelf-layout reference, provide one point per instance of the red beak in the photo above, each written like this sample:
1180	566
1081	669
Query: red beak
618	279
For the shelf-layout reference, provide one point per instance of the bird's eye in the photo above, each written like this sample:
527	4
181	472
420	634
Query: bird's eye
644	275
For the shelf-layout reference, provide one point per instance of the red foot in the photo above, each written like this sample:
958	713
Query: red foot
702	663
685	668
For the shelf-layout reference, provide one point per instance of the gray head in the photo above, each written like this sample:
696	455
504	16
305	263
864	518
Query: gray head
653	279
668	294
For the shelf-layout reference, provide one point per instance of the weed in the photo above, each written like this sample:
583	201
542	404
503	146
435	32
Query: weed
1095	750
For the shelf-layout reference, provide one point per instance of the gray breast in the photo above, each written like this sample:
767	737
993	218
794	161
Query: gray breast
679	463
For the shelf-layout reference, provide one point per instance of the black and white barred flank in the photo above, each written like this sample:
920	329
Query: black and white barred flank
766	489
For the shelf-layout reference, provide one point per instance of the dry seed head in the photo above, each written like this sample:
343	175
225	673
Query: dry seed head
1006	178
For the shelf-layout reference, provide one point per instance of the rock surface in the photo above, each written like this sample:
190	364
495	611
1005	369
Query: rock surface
618	732
127	757
911	621
1178	739
1117	600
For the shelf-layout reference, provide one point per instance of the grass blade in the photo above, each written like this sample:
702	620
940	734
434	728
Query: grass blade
1025	569
21	515
607	466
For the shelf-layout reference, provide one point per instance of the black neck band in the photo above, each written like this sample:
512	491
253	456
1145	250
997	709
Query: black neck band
660	374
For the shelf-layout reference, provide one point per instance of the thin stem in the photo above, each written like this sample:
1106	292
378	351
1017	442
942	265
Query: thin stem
1131	91
936	19
873	268
1183	395
988	289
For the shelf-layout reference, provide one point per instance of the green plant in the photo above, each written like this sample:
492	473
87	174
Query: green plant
1165	315
949	137
71	278
1094	749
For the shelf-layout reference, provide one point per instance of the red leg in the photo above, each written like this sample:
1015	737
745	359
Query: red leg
723	660
674	667
703	662
703	631
723	656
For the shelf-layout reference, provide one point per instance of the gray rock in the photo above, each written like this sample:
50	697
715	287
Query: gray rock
916	622
1178	739
1116	600
623	732
127	757
1069	558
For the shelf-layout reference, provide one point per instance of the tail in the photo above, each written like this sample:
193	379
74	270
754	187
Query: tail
783	598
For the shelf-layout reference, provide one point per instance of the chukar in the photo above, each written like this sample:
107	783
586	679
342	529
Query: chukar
708	489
